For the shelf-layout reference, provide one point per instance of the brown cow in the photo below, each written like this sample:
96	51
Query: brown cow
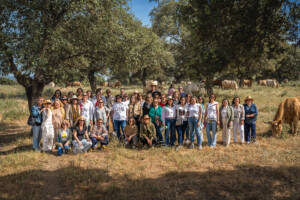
217	83
288	112
229	84
262	82
74	84
247	83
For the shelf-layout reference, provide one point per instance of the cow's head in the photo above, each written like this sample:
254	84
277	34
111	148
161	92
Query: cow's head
276	127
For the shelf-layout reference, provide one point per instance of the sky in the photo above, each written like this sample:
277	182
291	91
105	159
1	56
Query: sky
141	9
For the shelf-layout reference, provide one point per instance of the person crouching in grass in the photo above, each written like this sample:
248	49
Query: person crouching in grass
148	132
131	134
99	133
64	138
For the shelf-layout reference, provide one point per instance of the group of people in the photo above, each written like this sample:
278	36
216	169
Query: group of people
82	121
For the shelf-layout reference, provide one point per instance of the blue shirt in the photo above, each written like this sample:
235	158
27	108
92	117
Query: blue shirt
37	115
248	111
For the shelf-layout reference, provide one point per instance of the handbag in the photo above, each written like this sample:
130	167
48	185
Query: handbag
31	120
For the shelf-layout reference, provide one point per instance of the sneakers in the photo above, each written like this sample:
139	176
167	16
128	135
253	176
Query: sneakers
200	147
191	146
178	147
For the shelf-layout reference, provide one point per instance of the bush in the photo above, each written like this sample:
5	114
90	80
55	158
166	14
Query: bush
7	81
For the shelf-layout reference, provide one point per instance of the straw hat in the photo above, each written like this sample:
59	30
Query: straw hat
249	98
47	102
80	118
154	83
74	97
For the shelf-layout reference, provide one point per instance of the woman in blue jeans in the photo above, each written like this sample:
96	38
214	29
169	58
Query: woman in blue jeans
169	120
36	116
119	113
251	113
195	115
181	120
211	120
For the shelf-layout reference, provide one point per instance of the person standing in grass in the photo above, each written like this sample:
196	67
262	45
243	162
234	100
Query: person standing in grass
239	118
171	90
147	105
211	120
226	121
101	112
181	120
148	132
195	125
74	111
47	127
81	141
119	113
251	113
57	96
79	93
87	110
64	138
169	121
131	133
155	114
163	101
176	97
99	133
135	110
58	115
36	116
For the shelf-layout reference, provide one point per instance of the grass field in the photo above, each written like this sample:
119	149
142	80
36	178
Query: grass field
267	170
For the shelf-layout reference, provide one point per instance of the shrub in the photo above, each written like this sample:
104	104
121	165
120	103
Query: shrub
7	81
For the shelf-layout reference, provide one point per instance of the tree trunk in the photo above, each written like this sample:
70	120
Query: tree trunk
209	86
33	92
92	80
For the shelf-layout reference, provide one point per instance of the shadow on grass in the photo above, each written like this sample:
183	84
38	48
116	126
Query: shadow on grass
10	133
72	182
17	149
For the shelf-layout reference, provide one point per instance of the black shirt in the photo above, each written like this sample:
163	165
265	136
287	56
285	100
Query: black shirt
80	133
146	108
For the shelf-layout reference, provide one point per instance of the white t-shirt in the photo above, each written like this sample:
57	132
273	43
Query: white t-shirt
87	110
120	111
126	103
194	110
182	112
212	110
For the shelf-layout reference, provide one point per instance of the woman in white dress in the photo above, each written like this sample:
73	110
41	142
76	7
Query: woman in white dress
47	127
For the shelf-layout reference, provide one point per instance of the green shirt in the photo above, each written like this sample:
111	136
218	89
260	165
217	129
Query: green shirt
153	113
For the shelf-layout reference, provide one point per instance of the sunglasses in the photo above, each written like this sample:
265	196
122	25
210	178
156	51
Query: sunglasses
101	102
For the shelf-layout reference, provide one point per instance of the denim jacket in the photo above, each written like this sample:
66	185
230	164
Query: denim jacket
248	111
36	114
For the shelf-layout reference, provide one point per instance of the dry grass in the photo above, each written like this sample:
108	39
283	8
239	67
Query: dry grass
268	170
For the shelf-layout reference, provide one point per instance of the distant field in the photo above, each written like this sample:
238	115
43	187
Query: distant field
267	170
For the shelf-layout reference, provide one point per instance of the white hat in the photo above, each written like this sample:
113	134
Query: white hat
154	83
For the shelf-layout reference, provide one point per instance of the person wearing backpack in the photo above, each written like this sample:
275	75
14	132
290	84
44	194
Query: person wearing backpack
35	120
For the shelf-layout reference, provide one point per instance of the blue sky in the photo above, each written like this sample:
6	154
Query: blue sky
141	9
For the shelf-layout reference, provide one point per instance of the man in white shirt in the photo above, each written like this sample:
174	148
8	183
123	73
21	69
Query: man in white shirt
87	110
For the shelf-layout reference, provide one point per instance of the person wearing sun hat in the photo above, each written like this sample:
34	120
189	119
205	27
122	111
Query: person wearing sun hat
47	126
81	141
251	113
154	90
74	112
